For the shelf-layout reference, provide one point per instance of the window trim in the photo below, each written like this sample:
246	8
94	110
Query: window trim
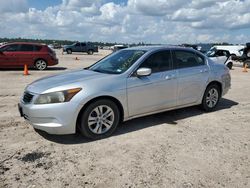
20	46
176	67
133	73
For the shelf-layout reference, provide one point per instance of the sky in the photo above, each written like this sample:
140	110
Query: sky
128	21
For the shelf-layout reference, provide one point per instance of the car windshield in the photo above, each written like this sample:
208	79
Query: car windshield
118	62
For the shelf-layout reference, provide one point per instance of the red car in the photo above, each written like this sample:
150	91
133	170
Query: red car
18	54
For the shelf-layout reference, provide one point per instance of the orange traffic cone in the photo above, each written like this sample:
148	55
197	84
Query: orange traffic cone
245	68
25	71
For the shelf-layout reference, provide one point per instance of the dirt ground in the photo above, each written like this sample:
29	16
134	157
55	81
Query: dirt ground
182	148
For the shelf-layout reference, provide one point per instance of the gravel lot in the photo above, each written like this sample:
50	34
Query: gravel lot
183	148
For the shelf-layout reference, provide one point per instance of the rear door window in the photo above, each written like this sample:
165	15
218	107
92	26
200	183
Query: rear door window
185	59
159	61
26	48
37	48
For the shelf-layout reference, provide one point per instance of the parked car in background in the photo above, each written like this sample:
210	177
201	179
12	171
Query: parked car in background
81	47
14	55
221	57
245	55
194	46
3	43
118	47
234	50
127	84
55	46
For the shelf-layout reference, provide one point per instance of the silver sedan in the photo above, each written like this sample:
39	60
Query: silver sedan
130	83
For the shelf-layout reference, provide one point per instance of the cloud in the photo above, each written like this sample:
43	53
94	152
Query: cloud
13	6
156	7
154	21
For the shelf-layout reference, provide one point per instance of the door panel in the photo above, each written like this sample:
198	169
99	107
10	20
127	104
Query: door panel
78	47
84	47
193	74
157	91
8	58
11	59
25	58
191	82
151	93
3	60
25	55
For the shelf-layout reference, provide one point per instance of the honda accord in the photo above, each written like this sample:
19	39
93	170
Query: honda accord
127	84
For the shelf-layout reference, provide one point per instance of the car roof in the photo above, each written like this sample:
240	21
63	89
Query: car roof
167	47
30	43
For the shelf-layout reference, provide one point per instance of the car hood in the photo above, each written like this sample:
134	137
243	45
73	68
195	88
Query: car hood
43	84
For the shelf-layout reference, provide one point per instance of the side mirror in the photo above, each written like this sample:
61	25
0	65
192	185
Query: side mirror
143	72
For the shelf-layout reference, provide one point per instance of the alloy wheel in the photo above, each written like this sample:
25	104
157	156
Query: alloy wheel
41	65
212	98
101	119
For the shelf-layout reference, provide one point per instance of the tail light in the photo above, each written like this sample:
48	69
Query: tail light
52	53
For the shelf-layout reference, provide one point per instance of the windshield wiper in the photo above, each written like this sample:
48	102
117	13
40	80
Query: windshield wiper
96	70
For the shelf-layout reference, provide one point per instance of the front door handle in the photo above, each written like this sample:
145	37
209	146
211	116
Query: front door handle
170	77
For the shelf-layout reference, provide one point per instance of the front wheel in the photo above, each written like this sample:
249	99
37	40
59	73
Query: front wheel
99	119
69	51
211	97
40	64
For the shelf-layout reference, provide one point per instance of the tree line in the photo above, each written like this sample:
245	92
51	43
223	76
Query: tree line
66	42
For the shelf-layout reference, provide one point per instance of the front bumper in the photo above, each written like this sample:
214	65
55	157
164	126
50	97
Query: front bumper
57	118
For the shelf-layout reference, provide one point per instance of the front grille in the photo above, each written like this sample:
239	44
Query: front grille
27	97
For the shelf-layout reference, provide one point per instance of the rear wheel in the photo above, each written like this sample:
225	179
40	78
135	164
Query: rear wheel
211	97
99	119
230	65
248	53
90	52
40	64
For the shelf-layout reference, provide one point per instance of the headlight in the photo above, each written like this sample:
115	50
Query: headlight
57	97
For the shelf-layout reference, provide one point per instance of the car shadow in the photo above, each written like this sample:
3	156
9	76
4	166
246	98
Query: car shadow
169	118
83	53
55	68
33	69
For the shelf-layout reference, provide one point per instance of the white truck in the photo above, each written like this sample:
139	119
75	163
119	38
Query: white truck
228	54
234	50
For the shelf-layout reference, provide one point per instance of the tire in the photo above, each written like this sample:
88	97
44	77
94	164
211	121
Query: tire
248	63
41	64
69	51
230	65
248	53
211	98
94	127
90	52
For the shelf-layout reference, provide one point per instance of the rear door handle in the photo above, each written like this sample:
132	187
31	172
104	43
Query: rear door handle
203	70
